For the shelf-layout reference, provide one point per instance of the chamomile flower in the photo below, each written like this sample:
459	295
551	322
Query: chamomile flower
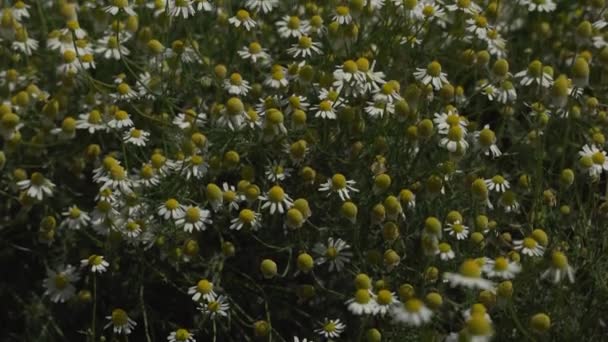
325	110
331	328
181	335
486	141
242	18
539	5
183	8
120	322
264	6
559	269
233	115
203	5
445	251
23	43
508	201
478	26
469	276
194	219
215	308
96	263
171	209
593	160
255	53
58	284
120	5
132	229
74	218
305	48
335	253
362	303
529	246
247	218
292	27
342	15
189	119
457	230
236	85
466	6
385	300
455	140
497	183
535	73
20	10
502	268
276	200
413	312
276	79
137	137
447	119
110	48
124	93
121	119
340	185
276	172
37	186
203	290
431	75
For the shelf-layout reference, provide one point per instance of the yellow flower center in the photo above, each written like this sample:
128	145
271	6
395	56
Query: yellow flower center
61	281
385	297
276	194
434	69
204	286
559	260
193	214
342	10
182	335
501	264
413	305
74	212
119	317
598	158
530	243
331	253
293	22
172	204
350	67
428	10
470	268
121	115
37	178
242	15
247	216
305	42
255	48
362	296
338	181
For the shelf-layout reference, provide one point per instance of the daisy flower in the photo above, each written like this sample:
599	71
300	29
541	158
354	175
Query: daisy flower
124	93
120	322
189	119
117	178
486	142
362	303
305	48
181	335
265	6
478	328
254	52
182	8
242	18
118	5
445	251
508	201
469	276
37	186
202	290
331	328
325	110
171	209
233	115
276	200
292	26
74	218
132	229
455	140
109	48
447	119
340	185
96	263
136	137
23	42
276	172
497	183
247	218
593	160
535	73
466	6
203	5
20	10
530	247
58	284
413	312
385	300
539	5
431	75
215	308
194	218
276	79
458	230
559	270
501	267
478	26
236	85
121	119
195	167
335	253
342	15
